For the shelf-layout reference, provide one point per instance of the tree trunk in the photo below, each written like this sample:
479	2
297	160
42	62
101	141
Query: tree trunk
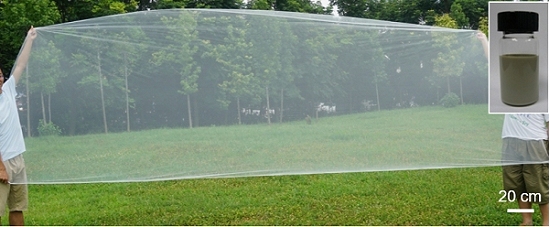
127	91
267	108
101	91
282	106
189	111
49	108
239	110
43	108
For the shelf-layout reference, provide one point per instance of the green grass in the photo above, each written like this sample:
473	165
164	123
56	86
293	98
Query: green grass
430	137
444	137
428	197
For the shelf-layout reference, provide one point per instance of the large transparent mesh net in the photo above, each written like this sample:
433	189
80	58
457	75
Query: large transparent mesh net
190	93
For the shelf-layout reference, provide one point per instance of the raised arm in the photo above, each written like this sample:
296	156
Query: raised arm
481	36
23	58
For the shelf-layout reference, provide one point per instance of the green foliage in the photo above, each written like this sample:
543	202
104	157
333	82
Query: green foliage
110	7
310	63
97	78
484	25
414	11
48	73
170	4
304	6
179	57
318	62
458	15
16	17
449	62
446	21
260	4
473	10
238	82
48	129
450	100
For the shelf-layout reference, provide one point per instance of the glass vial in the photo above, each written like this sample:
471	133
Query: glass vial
519	67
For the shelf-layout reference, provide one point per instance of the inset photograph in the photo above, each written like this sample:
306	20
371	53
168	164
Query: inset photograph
518	57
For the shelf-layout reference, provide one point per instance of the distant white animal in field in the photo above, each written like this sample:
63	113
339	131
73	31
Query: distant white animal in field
258	112
326	108
269	113
251	112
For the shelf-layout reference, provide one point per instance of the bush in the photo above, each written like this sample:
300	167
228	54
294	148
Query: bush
48	129
450	100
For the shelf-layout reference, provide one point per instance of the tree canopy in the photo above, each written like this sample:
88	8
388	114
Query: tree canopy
272	75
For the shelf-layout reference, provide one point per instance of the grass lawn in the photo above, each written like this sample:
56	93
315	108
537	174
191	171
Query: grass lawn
405	139
355	153
466	196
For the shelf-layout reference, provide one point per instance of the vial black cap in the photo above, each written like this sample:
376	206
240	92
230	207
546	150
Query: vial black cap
518	22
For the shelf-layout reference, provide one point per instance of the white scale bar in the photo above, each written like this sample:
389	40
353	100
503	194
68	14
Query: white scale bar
521	210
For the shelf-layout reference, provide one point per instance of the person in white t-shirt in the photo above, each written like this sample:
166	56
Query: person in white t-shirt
13	178
525	140
525	162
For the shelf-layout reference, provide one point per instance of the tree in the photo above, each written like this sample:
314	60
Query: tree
284	81
162	4
319	75
473	10
458	16
129	54
72	10
265	37
94	69
92	61
178	55
110	7
215	4
16	18
484	25
362	58
448	63
377	65
359	8
234	54
303	6
414	11
46	67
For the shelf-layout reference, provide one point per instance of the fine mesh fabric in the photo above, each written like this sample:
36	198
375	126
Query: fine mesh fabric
202	93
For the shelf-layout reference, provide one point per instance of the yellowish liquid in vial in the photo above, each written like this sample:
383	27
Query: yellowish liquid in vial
519	79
